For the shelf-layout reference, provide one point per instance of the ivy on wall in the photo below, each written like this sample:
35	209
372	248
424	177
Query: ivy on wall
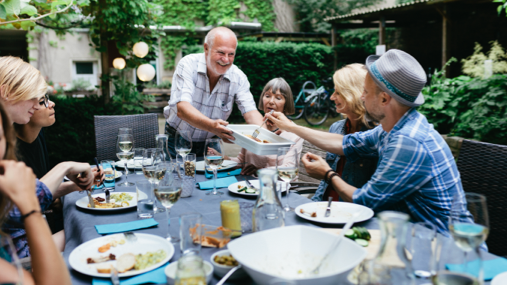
208	12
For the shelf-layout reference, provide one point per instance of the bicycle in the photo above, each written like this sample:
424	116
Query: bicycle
308	88
318	105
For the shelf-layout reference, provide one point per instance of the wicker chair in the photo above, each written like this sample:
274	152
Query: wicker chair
145	127
483	170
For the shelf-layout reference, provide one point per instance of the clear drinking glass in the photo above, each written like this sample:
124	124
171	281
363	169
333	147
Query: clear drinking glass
168	193
213	160
190	270
287	165
154	168
109	171
469	227
188	175
145	199
124	152
183	143
8	253
190	231
422	244
138	159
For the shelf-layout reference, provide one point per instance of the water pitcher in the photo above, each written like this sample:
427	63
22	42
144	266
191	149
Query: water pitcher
268	212
391	265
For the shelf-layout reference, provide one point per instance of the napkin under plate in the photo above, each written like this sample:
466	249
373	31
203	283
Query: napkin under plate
223	173
221	183
125	227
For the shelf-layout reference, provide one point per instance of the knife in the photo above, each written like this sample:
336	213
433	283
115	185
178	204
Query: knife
328	210
90	199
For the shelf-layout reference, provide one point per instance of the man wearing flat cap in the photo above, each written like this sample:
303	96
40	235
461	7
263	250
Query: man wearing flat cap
416	173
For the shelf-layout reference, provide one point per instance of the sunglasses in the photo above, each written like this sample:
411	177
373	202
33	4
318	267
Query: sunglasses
44	101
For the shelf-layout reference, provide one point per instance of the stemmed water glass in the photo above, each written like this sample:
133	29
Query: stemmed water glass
154	168
469	227
183	143
168	193
125	131
214	159
124	153
287	165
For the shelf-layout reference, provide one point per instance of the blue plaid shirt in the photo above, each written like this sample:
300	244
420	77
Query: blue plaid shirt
416	172
16	229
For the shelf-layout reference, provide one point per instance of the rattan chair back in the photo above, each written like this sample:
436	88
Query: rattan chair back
483	170
144	127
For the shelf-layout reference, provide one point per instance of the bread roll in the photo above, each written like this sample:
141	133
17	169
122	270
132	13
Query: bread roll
125	262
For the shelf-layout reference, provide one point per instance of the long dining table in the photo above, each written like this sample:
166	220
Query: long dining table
80	223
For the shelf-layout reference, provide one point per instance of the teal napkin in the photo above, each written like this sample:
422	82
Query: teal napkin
221	183
491	267
125	227
107	184
156	276
223	174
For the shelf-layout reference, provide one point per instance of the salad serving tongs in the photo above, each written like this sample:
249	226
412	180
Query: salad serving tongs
257	131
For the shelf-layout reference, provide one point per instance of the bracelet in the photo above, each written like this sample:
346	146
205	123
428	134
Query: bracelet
329	180
27	215
327	173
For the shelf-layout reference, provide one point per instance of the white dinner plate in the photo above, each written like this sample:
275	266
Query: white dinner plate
500	279
340	212
117	174
227	164
83	202
145	243
234	187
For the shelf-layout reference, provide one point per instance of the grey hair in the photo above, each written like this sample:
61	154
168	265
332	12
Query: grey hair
210	37
279	84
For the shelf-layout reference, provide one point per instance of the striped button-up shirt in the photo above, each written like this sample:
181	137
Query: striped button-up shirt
416	171
191	84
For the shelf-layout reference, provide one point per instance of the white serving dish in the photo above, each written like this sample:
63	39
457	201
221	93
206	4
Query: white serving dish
220	270
276	142
170	272
290	252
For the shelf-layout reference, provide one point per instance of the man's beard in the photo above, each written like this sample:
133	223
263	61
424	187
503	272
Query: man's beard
213	67
372	117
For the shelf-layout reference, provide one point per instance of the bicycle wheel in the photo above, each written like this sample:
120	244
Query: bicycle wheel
316	110
299	103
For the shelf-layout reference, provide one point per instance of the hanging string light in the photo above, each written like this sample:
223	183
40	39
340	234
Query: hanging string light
119	63
146	72
141	49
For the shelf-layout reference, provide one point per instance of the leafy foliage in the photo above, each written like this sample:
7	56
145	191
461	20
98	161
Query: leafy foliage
22	14
127	96
468	107
474	64
313	12
502	6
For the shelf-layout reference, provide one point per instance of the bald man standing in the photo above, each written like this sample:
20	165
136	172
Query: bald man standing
204	88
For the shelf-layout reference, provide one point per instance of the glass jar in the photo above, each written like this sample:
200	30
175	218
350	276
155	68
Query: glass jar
190	270
229	210
268	212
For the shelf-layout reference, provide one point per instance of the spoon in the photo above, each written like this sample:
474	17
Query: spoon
337	241
226	276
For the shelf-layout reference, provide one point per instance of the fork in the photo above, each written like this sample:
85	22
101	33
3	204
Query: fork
257	132
114	276
130	236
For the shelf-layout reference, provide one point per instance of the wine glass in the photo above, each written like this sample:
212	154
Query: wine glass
213	160
124	153
168	193
469	226
287	165
154	168
183	143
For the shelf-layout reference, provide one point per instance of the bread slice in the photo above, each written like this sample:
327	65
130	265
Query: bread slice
125	262
104	268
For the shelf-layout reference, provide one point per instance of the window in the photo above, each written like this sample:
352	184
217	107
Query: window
84	67
85	70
